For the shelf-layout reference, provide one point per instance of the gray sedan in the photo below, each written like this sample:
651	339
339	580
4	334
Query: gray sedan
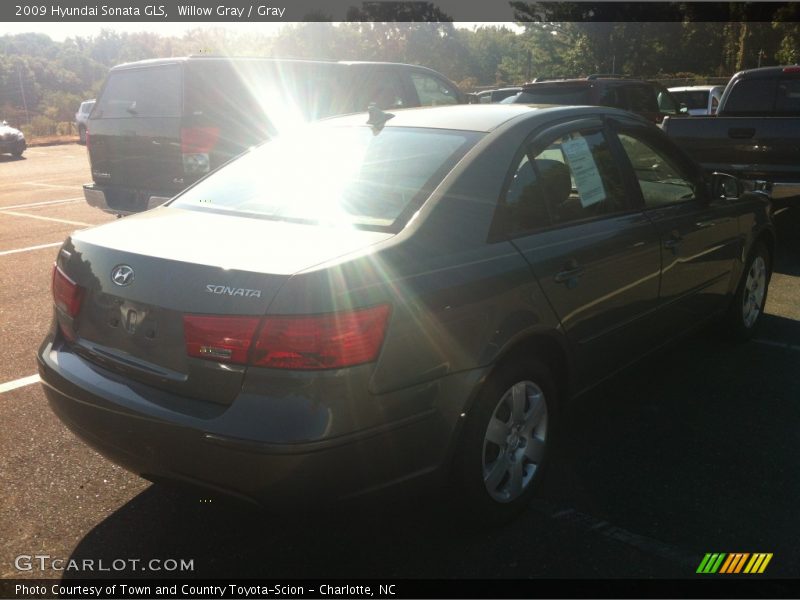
395	299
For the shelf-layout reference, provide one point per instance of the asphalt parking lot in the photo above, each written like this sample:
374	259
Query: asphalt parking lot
692	451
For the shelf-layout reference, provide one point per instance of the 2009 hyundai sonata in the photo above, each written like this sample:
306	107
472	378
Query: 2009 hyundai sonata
366	303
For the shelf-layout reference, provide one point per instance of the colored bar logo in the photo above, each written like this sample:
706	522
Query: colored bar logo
734	563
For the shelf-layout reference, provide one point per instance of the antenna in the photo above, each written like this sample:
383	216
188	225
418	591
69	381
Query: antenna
377	117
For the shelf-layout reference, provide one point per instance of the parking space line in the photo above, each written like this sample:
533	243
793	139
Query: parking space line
45	203
42	182
29	248
52	185
19	214
18	383
654	547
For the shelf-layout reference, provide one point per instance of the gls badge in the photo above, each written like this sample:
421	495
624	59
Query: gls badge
122	275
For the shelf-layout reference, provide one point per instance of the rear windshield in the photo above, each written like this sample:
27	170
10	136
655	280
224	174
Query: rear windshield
346	176
751	96
554	95
693	100
148	92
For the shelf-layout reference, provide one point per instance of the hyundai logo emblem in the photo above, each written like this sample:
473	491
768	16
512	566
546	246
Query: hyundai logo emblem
122	275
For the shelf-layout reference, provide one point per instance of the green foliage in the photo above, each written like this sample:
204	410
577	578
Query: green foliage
41	126
42	82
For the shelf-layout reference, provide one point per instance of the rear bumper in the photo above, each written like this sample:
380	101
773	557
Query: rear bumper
138	428
121	201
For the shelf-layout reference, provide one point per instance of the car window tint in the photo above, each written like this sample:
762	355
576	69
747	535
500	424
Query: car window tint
285	93
666	104
340	176
131	93
573	179
432	91
555	94
610	96
641	99
751	96
787	100
662	182
694	100
384	90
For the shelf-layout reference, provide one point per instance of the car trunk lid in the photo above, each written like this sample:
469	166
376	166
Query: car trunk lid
171	263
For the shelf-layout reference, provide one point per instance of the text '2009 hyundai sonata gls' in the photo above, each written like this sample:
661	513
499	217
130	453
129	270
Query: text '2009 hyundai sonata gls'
372	301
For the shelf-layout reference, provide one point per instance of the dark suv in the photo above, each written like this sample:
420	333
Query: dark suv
649	99
160	125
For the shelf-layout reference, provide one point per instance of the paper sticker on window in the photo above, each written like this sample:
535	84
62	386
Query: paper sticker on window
584	171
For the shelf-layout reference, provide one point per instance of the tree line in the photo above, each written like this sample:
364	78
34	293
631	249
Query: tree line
45	79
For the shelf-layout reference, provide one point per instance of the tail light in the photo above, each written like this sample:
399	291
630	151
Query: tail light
67	294
305	342
794	69
321	342
196	144
224	339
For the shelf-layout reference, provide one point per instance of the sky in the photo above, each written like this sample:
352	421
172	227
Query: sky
61	31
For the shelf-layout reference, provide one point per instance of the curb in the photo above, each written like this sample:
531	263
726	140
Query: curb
46	142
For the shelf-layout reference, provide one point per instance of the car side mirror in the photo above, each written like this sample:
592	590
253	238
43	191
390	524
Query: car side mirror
725	187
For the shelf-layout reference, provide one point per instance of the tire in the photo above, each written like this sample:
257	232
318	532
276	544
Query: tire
82	135
747	307
504	444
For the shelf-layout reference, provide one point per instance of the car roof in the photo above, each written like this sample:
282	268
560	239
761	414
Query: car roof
768	72
695	88
586	81
476	117
155	62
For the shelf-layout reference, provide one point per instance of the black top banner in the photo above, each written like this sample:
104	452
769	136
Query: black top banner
243	11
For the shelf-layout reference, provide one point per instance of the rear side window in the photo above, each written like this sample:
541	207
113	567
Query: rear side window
132	93
562	95
433	92
247	91
787	100
697	100
751	96
382	88
641	99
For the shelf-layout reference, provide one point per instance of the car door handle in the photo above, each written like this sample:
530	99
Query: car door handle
741	133
572	270
674	240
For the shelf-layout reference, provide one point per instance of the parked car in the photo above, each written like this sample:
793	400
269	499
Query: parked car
699	99
375	301
492	96
755	132
649	99
12	141
81	118
160	125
